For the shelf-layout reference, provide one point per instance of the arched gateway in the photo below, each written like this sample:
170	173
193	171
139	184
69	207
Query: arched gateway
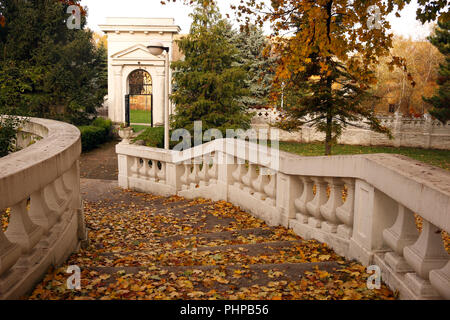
139	100
136	78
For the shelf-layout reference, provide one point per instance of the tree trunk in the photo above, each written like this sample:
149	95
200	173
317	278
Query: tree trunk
329	135
329	129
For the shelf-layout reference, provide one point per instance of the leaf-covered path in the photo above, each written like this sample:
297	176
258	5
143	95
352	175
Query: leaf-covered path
149	247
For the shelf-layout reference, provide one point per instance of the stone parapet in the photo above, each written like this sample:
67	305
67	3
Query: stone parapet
40	188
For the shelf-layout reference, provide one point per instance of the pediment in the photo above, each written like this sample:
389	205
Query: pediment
136	52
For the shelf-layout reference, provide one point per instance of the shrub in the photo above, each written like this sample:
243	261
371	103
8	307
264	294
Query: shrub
8	134
97	133
153	137
102	123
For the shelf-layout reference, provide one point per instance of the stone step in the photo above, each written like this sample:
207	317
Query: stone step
223	235
180	207
265	252
245	236
220	278
293	269
248	248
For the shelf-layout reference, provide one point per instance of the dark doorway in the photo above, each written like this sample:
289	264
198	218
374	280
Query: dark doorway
139	101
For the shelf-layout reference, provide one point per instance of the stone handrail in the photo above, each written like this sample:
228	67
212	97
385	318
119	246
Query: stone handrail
362	206
40	187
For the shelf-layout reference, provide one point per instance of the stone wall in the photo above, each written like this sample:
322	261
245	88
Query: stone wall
418	132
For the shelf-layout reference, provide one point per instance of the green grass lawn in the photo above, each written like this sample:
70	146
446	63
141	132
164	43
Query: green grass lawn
439	158
137	128
140	116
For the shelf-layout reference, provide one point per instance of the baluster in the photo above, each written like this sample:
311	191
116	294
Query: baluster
68	182
328	210
50	198
24	232
248	178
134	169
271	188
9	254
161	173
142	169
425	255
213	168
41	213
61	198
440	280
307	196
313	207
185	176
152	168
238	173
346	212
204	174
403	233
258	185
193	175
213	172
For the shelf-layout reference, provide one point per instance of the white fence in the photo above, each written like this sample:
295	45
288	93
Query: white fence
375	224
40	186
408	132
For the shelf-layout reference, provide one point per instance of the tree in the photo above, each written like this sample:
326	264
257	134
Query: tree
327	62
209	84
59	72
251	44
441	100
393	87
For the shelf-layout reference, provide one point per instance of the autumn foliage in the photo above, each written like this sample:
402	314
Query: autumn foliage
328	51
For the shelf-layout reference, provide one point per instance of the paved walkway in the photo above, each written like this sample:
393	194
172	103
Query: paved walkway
100	163
149	247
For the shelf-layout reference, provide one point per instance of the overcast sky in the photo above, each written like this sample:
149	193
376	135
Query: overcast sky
406	26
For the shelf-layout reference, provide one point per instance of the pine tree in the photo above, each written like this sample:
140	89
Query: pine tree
209	84
252	44
441	100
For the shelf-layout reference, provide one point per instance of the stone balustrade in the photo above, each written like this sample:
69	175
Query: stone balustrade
40	187
366	207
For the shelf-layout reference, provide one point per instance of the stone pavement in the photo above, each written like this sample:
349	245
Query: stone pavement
100	163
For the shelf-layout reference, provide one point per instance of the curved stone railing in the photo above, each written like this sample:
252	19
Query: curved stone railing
362	206
40	187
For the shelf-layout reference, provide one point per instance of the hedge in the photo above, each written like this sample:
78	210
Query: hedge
153	137
97	133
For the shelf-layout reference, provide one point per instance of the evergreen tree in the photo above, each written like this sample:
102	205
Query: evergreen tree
58	72
251	44
209	84
441	100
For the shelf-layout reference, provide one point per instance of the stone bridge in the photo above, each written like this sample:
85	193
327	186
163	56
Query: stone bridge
369	208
